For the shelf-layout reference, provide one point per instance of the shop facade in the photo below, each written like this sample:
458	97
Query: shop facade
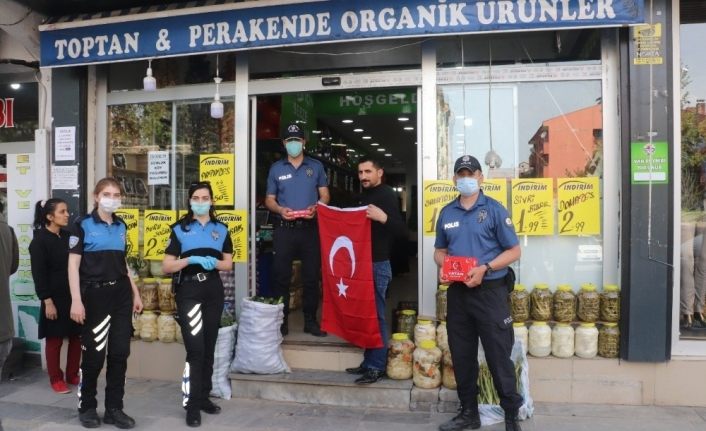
550	99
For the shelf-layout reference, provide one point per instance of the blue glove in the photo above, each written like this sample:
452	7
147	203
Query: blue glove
210	263
198	260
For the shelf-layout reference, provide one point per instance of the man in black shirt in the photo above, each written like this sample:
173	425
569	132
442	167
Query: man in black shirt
387	224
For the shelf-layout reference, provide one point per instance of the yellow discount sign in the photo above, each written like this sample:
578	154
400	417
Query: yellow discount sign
131	217
496	189
579	206
533	206
157	231
437	193
237	222
219	169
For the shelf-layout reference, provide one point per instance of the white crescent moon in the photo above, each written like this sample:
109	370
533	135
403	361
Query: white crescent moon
339	243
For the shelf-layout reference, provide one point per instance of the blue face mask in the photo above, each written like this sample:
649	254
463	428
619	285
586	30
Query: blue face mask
294	148
200	208
467	186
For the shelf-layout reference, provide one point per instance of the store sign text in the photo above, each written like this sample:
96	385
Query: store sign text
7	113
321	21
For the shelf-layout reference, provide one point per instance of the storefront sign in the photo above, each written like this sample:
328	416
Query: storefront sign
436	194
649	162
496	188
131	217
579	206
648	44
158	168
219	169
7	113
367	102
533	206
157	231
239	26
237	222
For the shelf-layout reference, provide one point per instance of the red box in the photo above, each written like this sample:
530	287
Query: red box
456	268
299	213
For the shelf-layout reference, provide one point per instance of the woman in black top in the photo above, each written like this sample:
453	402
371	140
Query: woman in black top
49	251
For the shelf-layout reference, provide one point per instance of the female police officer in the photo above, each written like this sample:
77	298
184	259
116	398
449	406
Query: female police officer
103	298
199	246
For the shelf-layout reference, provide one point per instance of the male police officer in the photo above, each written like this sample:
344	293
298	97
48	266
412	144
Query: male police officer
474	225
294	185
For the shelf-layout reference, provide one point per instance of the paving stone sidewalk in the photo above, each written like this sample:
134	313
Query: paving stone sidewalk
27	403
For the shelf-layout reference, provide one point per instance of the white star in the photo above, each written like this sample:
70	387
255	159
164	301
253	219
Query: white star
342	289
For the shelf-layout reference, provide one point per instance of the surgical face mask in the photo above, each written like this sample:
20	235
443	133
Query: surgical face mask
200	208
467	186
294	148
109	205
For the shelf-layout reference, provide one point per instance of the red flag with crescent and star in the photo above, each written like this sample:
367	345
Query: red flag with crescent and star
349	309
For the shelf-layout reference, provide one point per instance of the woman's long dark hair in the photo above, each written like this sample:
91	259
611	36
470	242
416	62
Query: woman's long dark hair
186	220
42	209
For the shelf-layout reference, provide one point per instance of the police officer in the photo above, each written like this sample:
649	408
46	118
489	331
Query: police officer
474	225
103	298
294	185
199	247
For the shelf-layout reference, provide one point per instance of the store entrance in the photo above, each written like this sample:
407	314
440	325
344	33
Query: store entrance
342	128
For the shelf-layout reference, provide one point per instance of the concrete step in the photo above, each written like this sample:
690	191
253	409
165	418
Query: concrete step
324	355
333	388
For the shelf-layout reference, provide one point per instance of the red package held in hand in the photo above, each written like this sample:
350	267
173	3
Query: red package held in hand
456	268
299	213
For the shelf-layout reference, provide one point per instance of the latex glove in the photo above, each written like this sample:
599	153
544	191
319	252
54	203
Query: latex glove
210	263
198	260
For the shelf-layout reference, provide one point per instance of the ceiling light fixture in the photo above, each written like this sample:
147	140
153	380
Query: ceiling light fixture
15	86
382	150
388	155
367	137
408	128
217	105
149	83
403	119
374	144
358	130
316	132
346	121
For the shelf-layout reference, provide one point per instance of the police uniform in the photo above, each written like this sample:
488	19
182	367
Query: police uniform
297	189
483	231
199	301
106	294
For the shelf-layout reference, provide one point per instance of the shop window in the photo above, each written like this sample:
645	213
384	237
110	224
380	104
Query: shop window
18	111
137	131
535	134
693	179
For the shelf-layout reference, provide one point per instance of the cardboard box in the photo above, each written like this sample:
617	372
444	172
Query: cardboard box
456	268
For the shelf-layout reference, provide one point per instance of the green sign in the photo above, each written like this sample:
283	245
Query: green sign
649	162
379	102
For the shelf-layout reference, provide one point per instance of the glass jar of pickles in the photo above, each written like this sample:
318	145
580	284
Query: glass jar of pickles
166	327
148	294
586	340
521	334
165	296
426	373
610	303
540	339
442	336
609	340
520	303
541	302
589	303
441	301
563	340
148	326
399	357
406	320
448	376
424	330
564	304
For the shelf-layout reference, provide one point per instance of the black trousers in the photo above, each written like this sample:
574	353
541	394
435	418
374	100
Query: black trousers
290	243
199	309
482	312
106	332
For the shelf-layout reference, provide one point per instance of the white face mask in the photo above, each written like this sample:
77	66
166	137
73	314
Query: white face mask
109	205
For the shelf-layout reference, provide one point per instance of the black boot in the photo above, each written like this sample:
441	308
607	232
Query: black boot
118	418
312	327
193	417
512	423
210	407
468	418
89	418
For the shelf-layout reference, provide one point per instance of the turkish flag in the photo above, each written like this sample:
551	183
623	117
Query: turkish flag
349	309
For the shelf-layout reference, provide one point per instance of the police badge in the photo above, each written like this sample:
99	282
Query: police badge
309	172
215	235
482	215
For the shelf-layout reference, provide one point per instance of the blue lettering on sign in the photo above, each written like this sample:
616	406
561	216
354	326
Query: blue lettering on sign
243	27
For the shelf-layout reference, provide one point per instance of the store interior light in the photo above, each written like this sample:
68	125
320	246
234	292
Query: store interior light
15	86
316	132
358	130
346	121
217	105
388	155
374	144
403	119
367	137
382	150
408	128
149	83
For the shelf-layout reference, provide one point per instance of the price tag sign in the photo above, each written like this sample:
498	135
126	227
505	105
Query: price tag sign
219	169
237	222
131	216
496	188
437	193
533	206
579	206
157	231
